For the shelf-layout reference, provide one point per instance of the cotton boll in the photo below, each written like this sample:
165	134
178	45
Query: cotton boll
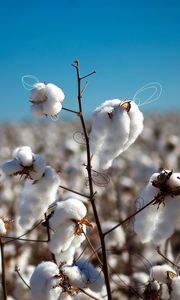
39	165
75	276
174	180
136	124
62	238
38	93
116	138
66	256
71	208
43	282
2	227
11	167
159	273
23	155
65	296
54	93
51	109
35	198
145	221
175	285
93	275
168	216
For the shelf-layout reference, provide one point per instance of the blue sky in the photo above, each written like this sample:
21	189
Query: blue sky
128	43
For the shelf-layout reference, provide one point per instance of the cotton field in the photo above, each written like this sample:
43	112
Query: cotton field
65	261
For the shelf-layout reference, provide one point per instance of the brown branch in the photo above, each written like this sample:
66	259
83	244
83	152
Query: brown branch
3	280
21	239
128	218
83	77
70	110
90	181
73	191
94	250
17	270
166	258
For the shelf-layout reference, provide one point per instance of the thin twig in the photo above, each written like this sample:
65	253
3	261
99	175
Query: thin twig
83	77
84	88
73	191
3	280
90	181
166	259
94	250
21	239
17	270
70	110
128	218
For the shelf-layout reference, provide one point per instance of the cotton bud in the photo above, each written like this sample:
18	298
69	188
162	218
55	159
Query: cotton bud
116	125
158	220
162	273
46	99
45	283
68	223
36	197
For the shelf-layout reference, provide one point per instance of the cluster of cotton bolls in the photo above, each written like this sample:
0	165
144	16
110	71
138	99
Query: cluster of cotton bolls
25	162
157	221
39	191
46	99
116	125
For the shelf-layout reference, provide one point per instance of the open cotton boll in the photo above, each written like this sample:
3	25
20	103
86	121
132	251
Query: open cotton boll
24	155
51	109
39	165
66	257
159	273
145	221
168	216
38	93
62	237
35	198
68	209
11	167
2	227
94	276
76	278
136	124
54	93
44	284
175	286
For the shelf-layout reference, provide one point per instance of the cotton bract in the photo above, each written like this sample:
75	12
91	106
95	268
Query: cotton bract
68	223
116	125
157	222
46	99
26	163
35	198
44	283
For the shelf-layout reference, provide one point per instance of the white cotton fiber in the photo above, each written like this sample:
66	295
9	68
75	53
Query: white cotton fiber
24	155
38	94
62	237
35	198
11	167
175	286
94	276
39	165
145	221
2	227
157	222
159	273
114	129
75	277
69	209
66	257
47	99
44	285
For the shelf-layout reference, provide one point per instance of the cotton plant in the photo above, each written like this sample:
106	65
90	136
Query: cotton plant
35	198
157	221
68	223
116	125
25	163
46	99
